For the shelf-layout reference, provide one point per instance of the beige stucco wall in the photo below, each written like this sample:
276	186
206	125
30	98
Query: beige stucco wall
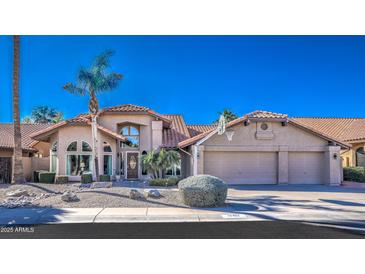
288	135
285	139
115	122
43	148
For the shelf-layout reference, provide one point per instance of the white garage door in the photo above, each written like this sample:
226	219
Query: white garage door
306	167
242	167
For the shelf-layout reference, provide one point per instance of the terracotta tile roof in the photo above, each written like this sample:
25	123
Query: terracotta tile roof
345	129
112	133
176	133
7	139
198	129
135	108
262	114
82	119
269	115
125	108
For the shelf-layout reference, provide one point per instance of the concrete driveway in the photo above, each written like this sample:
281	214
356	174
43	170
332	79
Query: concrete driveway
299	202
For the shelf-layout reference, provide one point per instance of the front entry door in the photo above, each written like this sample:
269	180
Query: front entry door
132	165
5	169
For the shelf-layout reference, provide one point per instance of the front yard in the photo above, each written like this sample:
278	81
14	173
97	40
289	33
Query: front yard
49	195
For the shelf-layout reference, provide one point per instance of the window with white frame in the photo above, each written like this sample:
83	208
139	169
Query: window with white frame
132	135
174	171
107	159
78	158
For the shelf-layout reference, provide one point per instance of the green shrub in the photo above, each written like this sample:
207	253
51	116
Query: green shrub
47	177
172	181
354	174
36	174
61	179
203	191
86	178
104	178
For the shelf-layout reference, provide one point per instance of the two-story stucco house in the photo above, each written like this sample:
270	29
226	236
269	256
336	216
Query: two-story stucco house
259	148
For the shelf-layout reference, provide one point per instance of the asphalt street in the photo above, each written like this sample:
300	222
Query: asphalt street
185	230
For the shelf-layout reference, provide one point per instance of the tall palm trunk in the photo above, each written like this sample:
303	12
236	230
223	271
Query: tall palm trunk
94	109
17	176
94	133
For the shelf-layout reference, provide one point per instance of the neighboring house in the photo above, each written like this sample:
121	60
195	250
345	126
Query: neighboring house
35	153
348	130
259	148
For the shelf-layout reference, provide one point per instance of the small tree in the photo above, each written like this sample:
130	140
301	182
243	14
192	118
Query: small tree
227	114
44	114
157	162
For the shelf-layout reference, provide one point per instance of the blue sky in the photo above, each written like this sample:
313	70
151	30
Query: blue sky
196	76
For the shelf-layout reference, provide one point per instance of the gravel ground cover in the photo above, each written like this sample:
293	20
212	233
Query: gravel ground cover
49	195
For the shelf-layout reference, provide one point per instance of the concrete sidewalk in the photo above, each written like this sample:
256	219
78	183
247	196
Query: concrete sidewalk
20	216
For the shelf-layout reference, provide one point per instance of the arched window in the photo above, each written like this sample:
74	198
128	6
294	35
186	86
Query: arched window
78	160
86	146
132	135
53	154
108	159
72	146
360	157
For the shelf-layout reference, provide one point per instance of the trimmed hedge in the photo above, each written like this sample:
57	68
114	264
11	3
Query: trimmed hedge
172	181
104	178
203	191
47	177
61	179
354	174
86	178
36	175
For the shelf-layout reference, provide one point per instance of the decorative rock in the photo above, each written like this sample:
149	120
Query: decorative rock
152	193
135	195
13	202
69	196
101	185
17	193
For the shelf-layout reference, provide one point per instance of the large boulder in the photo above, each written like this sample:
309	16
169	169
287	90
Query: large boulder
203	191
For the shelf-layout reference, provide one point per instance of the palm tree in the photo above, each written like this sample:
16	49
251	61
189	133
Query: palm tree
167	159
17	176
44	114
91	82
227	114
158	162
150	163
